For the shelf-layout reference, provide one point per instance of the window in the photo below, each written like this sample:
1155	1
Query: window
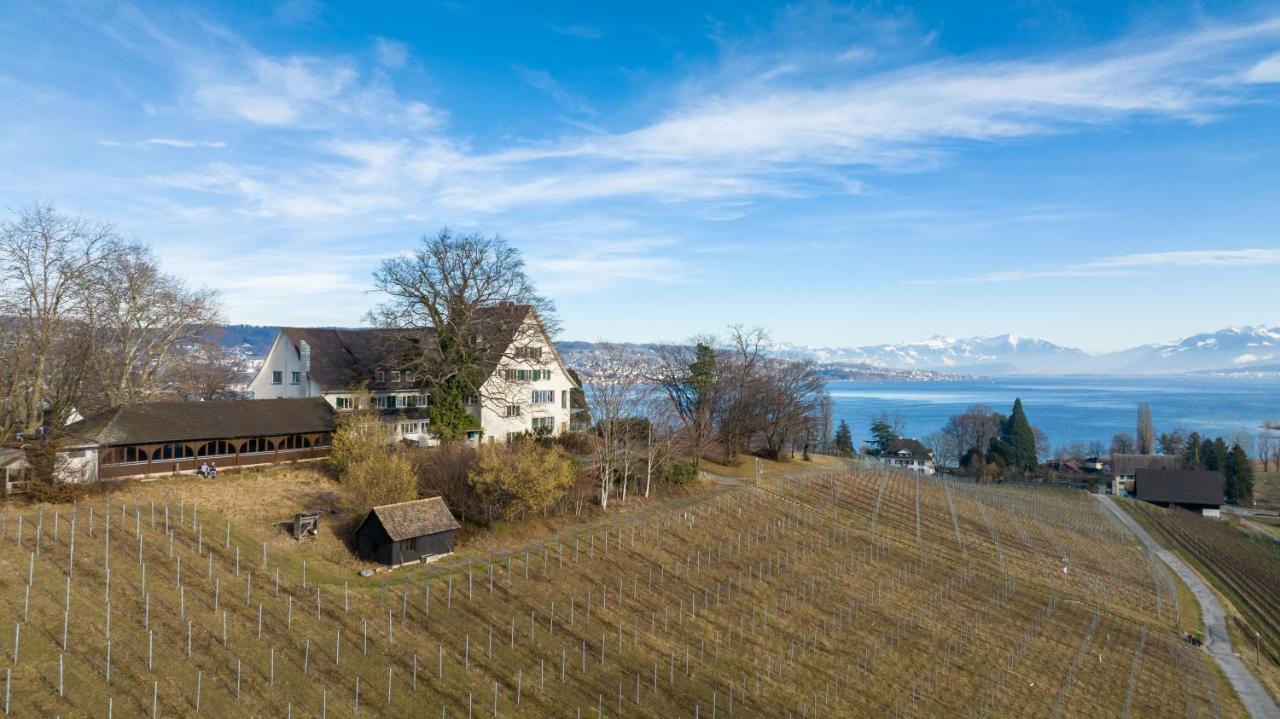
408	428
529	352
543	425
382	376
526	375
546	374
564	399
395	375
389	401
295	378
544	396
411	400
513	436
411	544
408	376
343	403
277	377
513	410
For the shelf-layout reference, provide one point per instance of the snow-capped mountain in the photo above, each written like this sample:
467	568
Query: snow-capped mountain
1235	349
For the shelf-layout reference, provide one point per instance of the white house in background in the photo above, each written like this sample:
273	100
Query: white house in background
908	455
528	390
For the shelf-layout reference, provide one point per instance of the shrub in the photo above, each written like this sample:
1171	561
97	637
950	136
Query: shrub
521	478
677	473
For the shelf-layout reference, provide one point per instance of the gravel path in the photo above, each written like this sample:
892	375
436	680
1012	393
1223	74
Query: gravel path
1218	642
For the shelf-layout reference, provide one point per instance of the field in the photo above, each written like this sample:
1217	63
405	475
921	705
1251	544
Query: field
829	593
1244	567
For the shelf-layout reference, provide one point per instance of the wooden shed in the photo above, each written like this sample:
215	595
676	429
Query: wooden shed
396	534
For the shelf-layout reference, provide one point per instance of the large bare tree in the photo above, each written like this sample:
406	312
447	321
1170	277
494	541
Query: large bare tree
46	260
88	320
792	394
461	301
616	394
689	376
739	414
151	333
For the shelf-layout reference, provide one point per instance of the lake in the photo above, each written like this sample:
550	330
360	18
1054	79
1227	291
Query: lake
1068	409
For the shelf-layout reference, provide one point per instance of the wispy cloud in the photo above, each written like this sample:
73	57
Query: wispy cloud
390	53
543	81
1265	71
586	32
1125	265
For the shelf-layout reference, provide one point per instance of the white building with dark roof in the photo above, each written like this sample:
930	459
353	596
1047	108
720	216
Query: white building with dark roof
527	389
908	455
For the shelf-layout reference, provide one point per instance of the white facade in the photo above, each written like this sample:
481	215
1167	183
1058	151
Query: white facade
906	462
526	395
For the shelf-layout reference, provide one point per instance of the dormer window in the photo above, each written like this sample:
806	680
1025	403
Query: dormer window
382	376
395	375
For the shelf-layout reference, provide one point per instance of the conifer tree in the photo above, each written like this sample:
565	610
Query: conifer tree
1017	441
843	440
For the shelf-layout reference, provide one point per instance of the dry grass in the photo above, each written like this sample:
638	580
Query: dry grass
745	468
840	594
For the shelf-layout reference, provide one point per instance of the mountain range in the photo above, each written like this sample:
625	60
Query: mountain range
1234	350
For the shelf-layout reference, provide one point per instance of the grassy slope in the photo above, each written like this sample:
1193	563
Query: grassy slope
1267	670
862	594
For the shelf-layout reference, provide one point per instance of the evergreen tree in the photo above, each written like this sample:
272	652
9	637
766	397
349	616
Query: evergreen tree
843	440
883	434
447	411
1017	441
1239	475
1191	455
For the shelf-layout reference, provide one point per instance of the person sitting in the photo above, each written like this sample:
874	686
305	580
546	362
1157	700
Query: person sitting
213	470
204	469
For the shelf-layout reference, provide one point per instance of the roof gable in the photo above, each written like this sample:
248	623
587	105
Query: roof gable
1180	486
1127	464
415	518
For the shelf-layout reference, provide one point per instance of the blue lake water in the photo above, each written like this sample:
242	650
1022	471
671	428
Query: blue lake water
1068	409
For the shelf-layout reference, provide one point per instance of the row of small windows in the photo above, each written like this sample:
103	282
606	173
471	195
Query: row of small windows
386	402
214	448
277	377
526	375
397	375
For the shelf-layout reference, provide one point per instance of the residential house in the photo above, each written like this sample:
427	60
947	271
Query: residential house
527	390
908	455
1124	468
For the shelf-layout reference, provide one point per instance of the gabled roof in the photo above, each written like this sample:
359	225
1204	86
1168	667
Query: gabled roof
149	422
907	449
1127	464
1180	486
343	359
415	518
346	358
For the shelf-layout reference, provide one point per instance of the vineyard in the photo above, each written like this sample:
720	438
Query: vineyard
1244	567
819	595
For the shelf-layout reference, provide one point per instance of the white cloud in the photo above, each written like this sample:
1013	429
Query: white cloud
390	53
177	142
1126	265
1265	71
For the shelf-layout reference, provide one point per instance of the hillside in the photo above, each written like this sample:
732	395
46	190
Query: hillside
832	594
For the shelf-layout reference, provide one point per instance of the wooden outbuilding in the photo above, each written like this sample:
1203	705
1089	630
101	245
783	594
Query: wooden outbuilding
412	531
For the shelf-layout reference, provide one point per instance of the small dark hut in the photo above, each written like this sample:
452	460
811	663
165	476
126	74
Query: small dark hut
396	534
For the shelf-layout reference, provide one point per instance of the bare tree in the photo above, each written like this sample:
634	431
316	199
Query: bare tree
615	394
46	260
1146	430
942	445
738	411
972	429
148	328
1266	445
1123	443
792	396
464	304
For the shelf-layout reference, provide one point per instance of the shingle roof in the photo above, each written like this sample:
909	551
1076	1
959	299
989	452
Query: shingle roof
347	358
1127	464
215	419
1180	486
415	518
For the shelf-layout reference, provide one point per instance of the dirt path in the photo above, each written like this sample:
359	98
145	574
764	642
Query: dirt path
1218	643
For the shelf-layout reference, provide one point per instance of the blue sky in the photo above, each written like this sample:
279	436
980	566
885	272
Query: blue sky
1097	174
